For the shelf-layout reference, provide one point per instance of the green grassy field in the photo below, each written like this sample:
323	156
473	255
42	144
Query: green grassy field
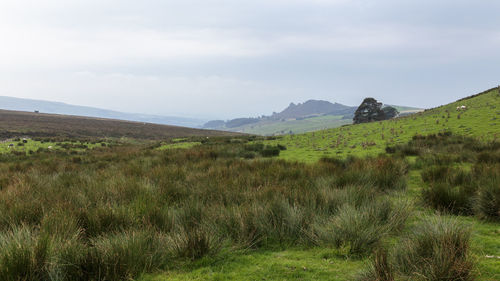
187	144
478	121
290	264
329	263
481	119
35	145
198	208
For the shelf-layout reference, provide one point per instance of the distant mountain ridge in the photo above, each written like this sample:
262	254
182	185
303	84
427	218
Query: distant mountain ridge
31	105
303	117
310	108
314	108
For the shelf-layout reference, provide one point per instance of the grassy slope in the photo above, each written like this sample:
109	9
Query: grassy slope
329	263
296	126
291	264
16	123
481	119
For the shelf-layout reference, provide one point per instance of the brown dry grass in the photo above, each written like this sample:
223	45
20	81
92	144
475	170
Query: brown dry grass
15	123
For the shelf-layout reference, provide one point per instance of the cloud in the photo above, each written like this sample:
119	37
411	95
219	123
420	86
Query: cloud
227	57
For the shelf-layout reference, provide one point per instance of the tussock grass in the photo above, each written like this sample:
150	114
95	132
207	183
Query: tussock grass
122	211
436	249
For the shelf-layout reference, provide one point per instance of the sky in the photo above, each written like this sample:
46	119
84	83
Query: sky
222	59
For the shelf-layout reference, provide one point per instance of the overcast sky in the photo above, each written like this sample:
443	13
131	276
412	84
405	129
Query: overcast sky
233	58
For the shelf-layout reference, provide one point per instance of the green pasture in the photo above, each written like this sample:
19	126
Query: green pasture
329	263
177	145
481	119
35	145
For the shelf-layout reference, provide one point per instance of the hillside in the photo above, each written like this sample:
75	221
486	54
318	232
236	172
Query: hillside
30	105
17	123
481	119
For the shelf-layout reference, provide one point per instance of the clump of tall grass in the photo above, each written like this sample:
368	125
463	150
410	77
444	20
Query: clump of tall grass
449	189
380	269
384	173
125	255
437	249
362	221
126	210
487	200
191	236
24	255
487	204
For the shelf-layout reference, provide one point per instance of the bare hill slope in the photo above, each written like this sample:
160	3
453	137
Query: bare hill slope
16	123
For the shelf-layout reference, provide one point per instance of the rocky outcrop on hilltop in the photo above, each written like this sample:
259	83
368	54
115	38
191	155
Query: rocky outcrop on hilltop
370	110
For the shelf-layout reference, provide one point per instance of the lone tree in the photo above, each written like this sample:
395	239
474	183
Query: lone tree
370	110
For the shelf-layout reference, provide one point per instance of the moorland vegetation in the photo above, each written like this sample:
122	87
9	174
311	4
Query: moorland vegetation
116	212
423	205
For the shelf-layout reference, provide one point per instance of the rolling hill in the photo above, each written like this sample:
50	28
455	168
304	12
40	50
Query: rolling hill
480	119
312	115
30	105
17	123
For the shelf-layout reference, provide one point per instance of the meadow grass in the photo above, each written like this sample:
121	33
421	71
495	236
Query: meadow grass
481	120
344	231
33	145
177	145
227	209
122	211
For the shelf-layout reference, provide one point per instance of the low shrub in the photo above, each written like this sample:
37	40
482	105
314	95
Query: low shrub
270	151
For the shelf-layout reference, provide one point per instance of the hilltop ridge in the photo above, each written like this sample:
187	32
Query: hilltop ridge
18	123
31	105
313	108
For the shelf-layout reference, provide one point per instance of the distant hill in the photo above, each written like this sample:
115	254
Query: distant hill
309	116
30	105
312	108
18	123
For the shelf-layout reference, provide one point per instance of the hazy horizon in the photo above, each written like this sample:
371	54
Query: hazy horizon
225	59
